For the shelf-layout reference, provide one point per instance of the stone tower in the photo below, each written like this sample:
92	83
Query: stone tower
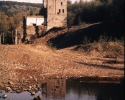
56	13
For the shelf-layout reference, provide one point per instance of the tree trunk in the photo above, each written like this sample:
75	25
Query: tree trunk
0	38
16	37
12	36
3	37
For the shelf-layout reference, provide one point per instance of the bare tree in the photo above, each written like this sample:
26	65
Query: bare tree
3	26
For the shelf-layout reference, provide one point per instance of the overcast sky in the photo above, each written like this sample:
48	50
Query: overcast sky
33	1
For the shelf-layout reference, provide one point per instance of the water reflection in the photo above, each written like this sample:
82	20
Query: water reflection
54	88
68	89
93	91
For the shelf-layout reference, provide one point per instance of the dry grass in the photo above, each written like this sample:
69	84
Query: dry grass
102	49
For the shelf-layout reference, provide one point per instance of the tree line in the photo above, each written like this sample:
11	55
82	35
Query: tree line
20	3
95	11
10	8
11	17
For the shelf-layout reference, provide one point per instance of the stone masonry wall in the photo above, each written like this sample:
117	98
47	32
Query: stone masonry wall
57	13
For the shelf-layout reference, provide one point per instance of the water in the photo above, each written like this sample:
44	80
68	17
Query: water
93	91
71	89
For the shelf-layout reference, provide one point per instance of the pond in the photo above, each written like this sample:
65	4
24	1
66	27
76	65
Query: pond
68	89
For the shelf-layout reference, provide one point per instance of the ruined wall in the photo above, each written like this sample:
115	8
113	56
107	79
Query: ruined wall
45	3
31	30
17	36
56	13
37	20
35	27
35	31
41	30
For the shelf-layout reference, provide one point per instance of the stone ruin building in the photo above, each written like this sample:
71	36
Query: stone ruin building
53	15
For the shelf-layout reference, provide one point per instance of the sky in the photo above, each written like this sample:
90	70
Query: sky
33	1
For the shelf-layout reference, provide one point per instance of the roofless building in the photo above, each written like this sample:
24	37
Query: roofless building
53	15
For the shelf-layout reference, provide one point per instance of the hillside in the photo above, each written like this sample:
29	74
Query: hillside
38	60
10	8
89	37
19	3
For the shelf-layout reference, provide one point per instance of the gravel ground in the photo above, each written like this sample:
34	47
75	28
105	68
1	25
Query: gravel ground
28	62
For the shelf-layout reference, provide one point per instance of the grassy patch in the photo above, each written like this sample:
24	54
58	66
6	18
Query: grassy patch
105	46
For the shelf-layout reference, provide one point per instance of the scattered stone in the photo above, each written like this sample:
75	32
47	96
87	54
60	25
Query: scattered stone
33	93
4	96
8	89
40	96
36	98
0	91
10	82
18	91
24	89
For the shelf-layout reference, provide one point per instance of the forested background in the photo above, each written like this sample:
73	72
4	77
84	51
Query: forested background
11	14
10	8
11	17
96	11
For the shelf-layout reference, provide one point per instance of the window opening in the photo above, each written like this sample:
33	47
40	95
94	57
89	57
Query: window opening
61	3
59	11
63	10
